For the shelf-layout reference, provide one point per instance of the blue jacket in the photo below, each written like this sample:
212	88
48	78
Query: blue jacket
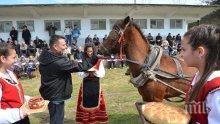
75	33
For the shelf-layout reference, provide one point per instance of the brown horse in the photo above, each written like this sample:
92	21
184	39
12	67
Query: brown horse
137	48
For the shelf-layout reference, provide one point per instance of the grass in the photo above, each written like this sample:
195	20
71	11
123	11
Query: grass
120	97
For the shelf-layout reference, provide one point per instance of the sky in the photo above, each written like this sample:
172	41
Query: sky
12	2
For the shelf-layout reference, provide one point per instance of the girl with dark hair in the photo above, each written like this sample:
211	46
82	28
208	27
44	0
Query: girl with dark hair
12	99
91	103
201	49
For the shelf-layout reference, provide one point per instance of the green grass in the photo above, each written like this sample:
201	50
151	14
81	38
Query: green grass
120	97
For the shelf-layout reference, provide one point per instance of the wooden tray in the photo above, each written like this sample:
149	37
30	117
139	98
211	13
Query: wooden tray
138	106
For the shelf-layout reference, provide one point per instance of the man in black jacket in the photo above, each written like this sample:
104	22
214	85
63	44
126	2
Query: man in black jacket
26	35
56	81
14	34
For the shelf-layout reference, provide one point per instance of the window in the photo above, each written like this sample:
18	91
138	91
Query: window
112	22
56	23
5	26
176	23
157	23
71	23
142	23
98	24
29	24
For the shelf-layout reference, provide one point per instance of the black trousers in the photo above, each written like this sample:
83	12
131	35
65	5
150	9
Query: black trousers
56	111
23	121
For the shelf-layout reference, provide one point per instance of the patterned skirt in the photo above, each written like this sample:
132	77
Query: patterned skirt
92	109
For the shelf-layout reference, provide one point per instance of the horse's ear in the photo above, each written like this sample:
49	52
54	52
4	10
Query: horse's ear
127	19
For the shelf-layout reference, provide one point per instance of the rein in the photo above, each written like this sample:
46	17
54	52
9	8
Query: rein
147	71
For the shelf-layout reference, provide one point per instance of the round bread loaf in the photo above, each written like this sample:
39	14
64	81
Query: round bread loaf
161	113
36	103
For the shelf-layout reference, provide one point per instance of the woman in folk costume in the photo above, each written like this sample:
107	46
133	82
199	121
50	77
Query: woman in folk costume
12	98
91	103
202	45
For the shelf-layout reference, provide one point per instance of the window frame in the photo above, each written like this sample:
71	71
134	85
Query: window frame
157	21
4	30
139	23
25	22
175	23
53	21
73	22
98	24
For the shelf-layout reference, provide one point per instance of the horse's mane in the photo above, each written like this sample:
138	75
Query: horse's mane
140	31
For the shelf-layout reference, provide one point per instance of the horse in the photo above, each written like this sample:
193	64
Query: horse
126	37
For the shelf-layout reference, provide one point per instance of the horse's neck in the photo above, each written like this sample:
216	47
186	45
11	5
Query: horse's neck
137	49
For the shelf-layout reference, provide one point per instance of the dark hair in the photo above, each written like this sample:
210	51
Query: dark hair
4	49
209	37
87	46
54	39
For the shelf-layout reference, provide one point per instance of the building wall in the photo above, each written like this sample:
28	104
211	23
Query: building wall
85	26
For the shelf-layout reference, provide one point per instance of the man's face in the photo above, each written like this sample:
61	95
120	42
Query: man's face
60	46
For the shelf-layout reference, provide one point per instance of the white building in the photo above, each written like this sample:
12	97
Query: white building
99	18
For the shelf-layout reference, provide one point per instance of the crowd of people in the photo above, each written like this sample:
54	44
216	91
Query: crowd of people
171	45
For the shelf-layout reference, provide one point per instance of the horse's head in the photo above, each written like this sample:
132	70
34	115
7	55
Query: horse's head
111	44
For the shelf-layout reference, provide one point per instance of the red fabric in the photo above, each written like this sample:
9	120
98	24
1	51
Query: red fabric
199	113
96	66
90	116
12	95
121	42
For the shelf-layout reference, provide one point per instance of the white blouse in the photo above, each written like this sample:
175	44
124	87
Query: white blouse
212	101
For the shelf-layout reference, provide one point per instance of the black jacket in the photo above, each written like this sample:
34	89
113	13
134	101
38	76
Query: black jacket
55	70
26	35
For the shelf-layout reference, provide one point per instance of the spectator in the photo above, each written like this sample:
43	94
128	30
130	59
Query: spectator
38	42
150	39
166	47
1	40
67	33
51	30
45	46
23	49
178	39
88	40
17	48
31	50
169	39
75	33
105	37
26	35
74	49
111	62
14	34
158	39
96	40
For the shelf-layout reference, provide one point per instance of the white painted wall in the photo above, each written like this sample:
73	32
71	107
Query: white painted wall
85	26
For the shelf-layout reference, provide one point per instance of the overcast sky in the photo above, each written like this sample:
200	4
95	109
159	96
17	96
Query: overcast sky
9	2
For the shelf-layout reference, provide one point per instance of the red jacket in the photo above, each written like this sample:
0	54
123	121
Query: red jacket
198	109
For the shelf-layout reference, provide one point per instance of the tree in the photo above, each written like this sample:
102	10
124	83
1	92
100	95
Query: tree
212	18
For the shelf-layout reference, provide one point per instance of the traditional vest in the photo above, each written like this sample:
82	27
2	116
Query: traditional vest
197	109
12	94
